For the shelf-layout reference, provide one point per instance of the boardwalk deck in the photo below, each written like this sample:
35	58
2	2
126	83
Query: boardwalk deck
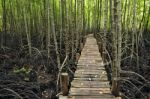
90	79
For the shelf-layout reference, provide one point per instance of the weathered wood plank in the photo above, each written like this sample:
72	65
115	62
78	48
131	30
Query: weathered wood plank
90	71
92	79
90	67
89	58
92	75
89	96
90	84
90	90
90	63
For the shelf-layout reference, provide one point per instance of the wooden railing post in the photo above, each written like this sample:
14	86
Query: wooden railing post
81	46
64	83
77	56
84	40
115	87
100	47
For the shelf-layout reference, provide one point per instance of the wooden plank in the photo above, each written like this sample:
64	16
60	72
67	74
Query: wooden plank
89	90
91	55
89	67
92	79
89	96
101	74
90	51
91	84
90	71
90	64
96	54
91	74
90	46
90	60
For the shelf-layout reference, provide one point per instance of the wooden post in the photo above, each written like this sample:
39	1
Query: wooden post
65	83
84	40
115	87
104	56
100	47
77	56
102	51
81	46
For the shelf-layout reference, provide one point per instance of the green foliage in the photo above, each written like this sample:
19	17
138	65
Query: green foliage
22	70
35	10
0	15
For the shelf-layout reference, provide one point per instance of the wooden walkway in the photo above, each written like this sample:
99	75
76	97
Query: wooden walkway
90	79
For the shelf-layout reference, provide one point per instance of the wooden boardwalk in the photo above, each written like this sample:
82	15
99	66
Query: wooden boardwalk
90	79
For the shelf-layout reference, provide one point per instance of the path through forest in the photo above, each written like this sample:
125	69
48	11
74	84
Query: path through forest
90	79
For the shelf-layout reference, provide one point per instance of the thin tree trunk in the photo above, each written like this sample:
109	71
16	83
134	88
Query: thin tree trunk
110	16
105	28
48	28
83	17
4	22
54	34
67	41
114	48
61	25
27	33
71	29
119	31
100	14
134	35
117	40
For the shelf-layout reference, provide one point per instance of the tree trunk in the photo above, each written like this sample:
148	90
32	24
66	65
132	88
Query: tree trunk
27	33
48	28
105	29
4	22
54	33
117	40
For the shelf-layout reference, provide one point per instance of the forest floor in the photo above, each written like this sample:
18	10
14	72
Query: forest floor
25	77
